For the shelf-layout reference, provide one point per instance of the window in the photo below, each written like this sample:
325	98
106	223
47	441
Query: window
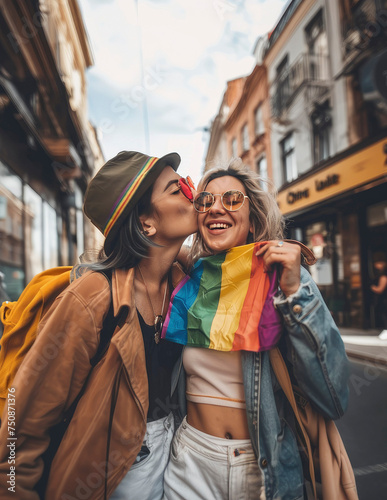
321	126
11	232
283	86
50	237
288	156
11	222
316	35
245	138
317	40
34	232
259	125
234	148
262	171
80	221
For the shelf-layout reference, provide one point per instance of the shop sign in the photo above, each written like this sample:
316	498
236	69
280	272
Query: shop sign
329	181
355	170
294	196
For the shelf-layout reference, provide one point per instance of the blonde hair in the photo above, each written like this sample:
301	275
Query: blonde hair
265	216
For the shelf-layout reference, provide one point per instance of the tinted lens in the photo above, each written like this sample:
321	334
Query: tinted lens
233	200
203	201
185	188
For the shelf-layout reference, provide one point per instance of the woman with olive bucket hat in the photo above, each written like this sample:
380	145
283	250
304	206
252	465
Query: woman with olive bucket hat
117	442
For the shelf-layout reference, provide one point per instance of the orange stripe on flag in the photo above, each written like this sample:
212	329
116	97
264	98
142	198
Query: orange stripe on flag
253	305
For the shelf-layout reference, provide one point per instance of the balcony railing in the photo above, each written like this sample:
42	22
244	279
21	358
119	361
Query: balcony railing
308	70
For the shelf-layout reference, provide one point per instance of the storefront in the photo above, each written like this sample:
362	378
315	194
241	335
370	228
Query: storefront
39	229
340	212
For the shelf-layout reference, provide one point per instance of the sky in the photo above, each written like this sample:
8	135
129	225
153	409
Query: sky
161	68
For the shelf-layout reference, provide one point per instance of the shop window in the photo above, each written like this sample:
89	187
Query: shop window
316	239
259	125
33	232
245	138
11	182
377	252
288	157
50	237
352	269
11	232
13	281
377	214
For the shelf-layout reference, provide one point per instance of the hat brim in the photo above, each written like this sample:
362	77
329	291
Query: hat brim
173	160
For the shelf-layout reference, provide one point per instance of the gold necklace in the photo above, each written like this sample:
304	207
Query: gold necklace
159	318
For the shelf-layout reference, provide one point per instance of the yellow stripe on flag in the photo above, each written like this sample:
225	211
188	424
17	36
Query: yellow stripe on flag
236	271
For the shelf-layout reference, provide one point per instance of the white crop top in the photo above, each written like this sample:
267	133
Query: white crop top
214	377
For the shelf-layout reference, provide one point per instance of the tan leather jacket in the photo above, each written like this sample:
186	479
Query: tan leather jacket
52	375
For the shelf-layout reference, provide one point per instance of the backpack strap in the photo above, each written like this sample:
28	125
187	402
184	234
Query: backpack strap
282	375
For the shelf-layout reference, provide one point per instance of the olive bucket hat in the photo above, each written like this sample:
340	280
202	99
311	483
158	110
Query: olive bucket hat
118	186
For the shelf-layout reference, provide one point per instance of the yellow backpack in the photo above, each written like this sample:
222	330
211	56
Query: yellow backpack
21	319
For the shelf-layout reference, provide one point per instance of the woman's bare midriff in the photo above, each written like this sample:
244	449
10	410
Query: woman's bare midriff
219	421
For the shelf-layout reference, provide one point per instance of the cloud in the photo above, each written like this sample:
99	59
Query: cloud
189	51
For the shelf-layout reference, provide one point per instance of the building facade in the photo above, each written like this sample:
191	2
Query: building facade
48	149
242	126
247	125
329	144
217	152
321	84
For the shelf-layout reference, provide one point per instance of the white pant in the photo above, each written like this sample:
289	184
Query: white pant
144	480
210	468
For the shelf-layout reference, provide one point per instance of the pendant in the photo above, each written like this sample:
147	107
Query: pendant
159	320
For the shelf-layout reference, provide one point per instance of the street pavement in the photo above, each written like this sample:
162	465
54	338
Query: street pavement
365	345
363	427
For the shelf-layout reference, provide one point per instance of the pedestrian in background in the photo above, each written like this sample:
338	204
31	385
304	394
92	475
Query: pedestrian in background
380	289
136	201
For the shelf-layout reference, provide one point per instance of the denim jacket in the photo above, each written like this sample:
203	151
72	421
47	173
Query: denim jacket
316	358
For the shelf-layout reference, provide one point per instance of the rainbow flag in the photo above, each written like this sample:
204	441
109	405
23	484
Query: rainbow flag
226	304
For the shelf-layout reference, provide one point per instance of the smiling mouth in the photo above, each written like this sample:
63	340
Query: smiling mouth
219	225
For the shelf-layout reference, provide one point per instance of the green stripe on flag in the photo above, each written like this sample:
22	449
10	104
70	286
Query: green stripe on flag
203	310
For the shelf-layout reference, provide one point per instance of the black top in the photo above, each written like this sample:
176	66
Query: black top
380	299
160	360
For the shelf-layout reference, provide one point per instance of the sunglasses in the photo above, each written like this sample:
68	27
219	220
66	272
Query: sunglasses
186	186
231	200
